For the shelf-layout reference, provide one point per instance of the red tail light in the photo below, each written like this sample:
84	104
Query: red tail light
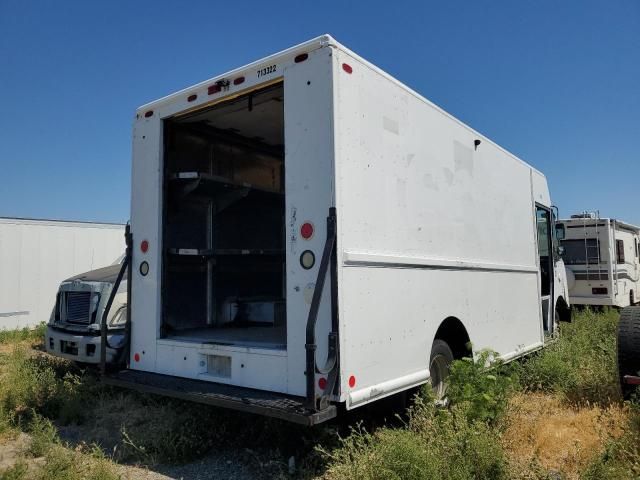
306	230
347	68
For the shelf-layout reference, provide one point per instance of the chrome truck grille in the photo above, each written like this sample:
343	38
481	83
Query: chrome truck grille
78	307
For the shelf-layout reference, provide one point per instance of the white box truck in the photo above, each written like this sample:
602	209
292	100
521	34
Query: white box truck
307	232
602	257
36	255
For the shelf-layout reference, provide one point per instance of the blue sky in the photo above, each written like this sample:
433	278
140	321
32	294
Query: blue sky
555	82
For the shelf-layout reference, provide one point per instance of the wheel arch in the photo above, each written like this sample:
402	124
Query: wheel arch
453	331
563	309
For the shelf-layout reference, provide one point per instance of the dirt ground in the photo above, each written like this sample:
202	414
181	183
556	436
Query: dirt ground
213	465
543	430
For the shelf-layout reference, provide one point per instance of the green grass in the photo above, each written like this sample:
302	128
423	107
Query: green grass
435	443
42	384
26	334
581	364
16	472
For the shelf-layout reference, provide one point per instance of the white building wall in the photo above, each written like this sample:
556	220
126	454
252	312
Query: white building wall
36	255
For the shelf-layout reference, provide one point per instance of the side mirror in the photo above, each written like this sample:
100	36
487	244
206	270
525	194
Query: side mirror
560	233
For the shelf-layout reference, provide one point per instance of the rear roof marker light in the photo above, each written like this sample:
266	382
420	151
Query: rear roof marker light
214	89
301	58
238	81
192	97
347	68
148	113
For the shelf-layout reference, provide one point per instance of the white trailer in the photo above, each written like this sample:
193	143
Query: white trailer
602	260
308	232
36	255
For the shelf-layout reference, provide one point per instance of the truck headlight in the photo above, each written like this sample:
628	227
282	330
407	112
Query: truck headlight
119	319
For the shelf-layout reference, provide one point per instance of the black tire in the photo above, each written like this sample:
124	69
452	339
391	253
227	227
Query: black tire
629	347
439	363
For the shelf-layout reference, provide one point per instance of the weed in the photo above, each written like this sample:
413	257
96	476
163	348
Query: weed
43	436
438	444
31	334
484	384
581	364
41	384
16	472
621	458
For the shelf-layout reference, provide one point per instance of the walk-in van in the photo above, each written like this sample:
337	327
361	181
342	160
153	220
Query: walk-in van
306	231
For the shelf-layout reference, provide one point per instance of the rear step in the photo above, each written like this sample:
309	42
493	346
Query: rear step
285	407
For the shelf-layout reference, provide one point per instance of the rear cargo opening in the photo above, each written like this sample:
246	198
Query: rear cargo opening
223	223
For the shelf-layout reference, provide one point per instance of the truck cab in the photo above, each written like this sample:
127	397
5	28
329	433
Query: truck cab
73	331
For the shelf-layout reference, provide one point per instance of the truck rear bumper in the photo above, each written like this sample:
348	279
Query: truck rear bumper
77	347
277	405
592	300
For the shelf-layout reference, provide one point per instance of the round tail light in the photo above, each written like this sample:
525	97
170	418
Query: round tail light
306	230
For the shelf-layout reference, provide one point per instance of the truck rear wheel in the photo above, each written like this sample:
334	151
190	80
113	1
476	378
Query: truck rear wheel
629	347
439	364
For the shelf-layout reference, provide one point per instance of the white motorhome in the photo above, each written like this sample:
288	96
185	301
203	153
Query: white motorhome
307	231
602	259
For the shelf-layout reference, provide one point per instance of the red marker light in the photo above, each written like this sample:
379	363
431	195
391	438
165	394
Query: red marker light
192	97
214	89
352	381
322	383
238	81
148	114
306	230
301	58
136	357
347	68
144	246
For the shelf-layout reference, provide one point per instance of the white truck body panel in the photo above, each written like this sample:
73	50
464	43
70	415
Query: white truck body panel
430	226
616	271
36	255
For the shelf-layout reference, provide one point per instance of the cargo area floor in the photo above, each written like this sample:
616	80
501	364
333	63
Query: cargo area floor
260	337
285	407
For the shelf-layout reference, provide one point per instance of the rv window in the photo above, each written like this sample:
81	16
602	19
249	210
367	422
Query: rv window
620	251
581	251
